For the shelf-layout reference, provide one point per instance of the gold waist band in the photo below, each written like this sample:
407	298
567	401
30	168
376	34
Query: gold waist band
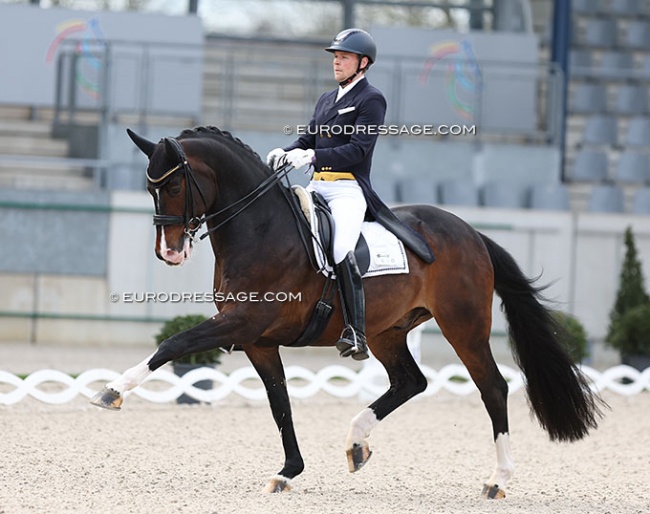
331	176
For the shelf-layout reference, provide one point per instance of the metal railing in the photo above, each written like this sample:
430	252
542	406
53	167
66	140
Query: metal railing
266	86
262	86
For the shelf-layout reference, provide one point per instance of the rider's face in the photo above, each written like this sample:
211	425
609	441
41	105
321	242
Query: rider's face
345	65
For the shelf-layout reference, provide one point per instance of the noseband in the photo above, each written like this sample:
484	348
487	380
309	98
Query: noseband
189	220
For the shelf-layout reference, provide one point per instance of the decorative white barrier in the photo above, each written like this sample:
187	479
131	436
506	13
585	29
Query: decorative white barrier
337	381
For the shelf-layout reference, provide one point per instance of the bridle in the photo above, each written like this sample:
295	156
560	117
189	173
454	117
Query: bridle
189	220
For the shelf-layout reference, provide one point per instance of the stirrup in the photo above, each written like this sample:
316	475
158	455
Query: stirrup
352	344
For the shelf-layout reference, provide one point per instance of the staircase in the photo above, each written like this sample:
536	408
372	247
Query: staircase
31	159
251	85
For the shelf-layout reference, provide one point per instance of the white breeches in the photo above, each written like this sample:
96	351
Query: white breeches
348	206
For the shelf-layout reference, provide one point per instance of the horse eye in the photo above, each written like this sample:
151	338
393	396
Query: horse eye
174	187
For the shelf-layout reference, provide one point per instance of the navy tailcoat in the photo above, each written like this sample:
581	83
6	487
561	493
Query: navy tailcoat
343	136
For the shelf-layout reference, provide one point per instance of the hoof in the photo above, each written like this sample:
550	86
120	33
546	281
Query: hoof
278	484
358	455
107	398
493	492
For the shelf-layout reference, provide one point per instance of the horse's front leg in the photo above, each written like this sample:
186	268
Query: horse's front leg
111	396
218	331
268	364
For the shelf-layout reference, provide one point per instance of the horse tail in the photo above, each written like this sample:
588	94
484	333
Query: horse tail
558	392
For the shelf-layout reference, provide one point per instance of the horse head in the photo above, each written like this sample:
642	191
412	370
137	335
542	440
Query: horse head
181	189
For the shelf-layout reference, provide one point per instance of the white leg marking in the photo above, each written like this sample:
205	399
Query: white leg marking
277	484
361	426
132	377
505	463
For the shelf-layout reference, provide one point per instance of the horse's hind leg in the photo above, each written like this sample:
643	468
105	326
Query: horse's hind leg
475	353
406	381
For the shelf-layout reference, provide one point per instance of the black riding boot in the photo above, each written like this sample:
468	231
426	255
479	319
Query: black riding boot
353	338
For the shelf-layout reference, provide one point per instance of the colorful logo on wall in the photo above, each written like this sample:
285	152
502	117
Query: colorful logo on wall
89	41
463	78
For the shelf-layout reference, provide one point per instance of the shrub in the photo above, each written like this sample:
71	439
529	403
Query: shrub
631	332
180	324
574	336
631	290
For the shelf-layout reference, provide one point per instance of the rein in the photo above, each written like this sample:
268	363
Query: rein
256	193
193	223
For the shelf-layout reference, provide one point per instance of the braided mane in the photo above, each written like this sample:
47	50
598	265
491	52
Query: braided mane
214	132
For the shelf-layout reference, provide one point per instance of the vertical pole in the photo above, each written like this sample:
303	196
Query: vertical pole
560	46
193	7
475	15
103	139
348	14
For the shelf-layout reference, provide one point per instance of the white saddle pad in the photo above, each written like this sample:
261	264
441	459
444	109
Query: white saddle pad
387	254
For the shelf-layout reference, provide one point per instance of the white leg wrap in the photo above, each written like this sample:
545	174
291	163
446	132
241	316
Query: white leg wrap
505	463
361	426
132	377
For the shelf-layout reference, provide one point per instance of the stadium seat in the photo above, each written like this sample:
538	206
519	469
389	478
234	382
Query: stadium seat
459	192
586	6
616	65
385	187
418	190
631	99
641	201
590	166
601	130
625	7
633	167
600	33
502	194
644	69
588	98
638	132
606	198
637	35
549	197
581	64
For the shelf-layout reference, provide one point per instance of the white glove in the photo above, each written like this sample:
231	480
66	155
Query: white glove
299	158
274	158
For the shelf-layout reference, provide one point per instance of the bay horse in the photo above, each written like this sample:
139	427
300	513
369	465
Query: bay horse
207	176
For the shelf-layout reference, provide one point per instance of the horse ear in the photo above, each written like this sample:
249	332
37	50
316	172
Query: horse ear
173	149
143	144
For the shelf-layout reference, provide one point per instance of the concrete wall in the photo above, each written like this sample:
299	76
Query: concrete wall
580	255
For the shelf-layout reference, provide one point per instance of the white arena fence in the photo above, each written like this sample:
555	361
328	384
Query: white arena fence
55	387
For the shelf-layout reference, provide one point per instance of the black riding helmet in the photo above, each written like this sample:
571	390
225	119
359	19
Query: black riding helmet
355	41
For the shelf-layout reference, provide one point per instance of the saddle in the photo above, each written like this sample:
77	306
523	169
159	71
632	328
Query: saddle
382	254
325	226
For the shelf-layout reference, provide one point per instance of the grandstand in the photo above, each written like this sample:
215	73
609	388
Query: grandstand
245	89
608	109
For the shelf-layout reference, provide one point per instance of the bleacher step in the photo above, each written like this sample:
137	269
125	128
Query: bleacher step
33	146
